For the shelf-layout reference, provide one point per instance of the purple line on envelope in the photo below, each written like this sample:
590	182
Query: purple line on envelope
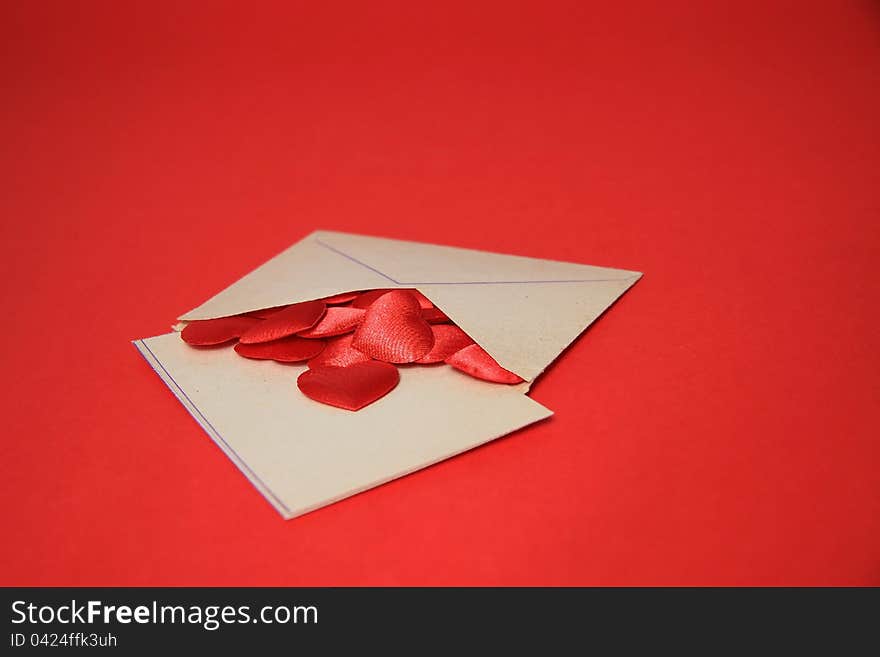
356	261
396	282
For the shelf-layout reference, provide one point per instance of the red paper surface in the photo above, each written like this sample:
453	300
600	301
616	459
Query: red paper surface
718	425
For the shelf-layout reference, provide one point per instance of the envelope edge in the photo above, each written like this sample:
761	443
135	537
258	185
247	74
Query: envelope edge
194	412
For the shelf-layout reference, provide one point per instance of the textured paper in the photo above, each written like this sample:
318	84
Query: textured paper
302	455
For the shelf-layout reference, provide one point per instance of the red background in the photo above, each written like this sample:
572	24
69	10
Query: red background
719	425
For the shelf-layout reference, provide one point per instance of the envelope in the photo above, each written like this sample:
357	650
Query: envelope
302	455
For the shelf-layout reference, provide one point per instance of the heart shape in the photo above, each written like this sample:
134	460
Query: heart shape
265	313
366	299
448	339
206	332
286	350
345	297
351	387
288	321
393	329
336	321
434	316
424	301
338	353
476	361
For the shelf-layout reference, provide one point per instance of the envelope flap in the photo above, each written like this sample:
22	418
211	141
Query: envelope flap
307	270
523	311
526	326
414	263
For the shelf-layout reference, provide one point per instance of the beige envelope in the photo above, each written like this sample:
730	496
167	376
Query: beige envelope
303	455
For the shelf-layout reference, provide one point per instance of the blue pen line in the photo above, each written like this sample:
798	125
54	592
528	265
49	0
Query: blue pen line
216	433
396	282
355	260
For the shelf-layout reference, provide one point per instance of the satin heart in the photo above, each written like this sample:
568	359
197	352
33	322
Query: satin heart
424	301
393	329
335	321
475	361
366	299
351	387
286	350
447	340
434	316
340	298
205	332
338	352
288	321
265	313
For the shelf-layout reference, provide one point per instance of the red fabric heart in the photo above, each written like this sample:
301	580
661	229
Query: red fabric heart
474	360
217	331
292	319
340	298
393	329
424	301
335	321
286	350
448	339
338	352
351	387
265	313
434	315
366	299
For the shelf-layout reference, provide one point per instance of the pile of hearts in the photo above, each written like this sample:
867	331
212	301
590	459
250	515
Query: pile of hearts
351	343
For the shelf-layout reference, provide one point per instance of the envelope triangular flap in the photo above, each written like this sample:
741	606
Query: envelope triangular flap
525	327
307	270
523	311
415	263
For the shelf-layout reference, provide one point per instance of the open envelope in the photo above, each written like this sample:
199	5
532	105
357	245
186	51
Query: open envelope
302	455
